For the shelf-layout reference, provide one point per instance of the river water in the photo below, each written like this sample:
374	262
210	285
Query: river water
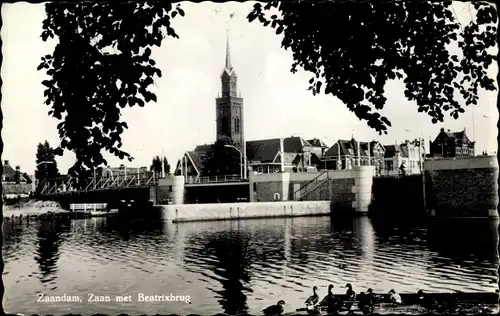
238	266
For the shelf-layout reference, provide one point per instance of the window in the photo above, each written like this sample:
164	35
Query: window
169	188
225	126
236	125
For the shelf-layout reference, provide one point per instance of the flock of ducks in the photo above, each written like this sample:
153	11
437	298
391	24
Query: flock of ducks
365	301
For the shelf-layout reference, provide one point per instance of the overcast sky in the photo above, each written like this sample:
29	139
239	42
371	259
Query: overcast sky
276	102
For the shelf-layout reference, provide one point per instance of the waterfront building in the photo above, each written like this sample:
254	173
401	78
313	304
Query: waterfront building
124	172
345	154
14	176
318	147
263	156
452	144
409	154
387	159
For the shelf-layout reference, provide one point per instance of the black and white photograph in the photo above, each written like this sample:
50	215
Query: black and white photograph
250	158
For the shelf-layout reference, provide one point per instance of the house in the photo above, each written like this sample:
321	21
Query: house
452	144
345	154
263	156
11	175
409	154
124	172
318	146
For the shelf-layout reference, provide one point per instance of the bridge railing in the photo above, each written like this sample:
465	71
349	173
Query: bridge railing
214	179
62	186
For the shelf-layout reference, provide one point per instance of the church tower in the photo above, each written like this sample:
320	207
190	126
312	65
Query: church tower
229	106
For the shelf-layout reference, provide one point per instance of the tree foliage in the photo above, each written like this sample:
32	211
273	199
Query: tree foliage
354	48
46	162
221	159
101	64
166	166
156	166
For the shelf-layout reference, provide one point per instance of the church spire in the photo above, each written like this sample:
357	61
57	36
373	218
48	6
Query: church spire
228	53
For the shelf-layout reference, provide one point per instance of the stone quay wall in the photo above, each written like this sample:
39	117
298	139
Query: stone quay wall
462	187
235	211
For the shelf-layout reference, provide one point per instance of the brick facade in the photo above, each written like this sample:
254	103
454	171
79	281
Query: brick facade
266	190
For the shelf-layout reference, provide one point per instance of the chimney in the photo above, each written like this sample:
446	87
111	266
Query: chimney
18	175
442	130
6	162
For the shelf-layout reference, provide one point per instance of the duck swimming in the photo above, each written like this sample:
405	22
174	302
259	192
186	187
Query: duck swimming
365	303
313	299
330	301
350	292
394	297
374	297
350	296
275	309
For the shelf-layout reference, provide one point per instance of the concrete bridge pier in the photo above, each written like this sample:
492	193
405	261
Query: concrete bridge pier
172	187
362	189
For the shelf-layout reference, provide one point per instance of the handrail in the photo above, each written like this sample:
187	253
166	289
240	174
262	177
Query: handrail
214	179
304	194
64	185
315	180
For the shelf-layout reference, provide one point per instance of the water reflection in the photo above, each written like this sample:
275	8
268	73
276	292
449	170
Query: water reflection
227	255
50	235
241	267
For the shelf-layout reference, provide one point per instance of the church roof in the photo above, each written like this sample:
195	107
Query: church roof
197	159
265	150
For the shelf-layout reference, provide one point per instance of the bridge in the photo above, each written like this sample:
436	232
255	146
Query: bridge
215	180
62	186
65	185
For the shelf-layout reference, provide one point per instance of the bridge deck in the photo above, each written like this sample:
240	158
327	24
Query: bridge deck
63	186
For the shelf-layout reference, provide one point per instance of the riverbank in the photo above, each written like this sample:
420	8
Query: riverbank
32	208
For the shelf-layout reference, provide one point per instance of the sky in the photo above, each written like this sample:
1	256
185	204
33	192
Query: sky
276	102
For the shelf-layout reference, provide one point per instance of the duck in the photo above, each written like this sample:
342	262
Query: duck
350	296
365	303
394	297
373	297
275	309
350	292
329	301
313	299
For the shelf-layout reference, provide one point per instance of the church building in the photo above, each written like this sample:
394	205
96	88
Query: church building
262	155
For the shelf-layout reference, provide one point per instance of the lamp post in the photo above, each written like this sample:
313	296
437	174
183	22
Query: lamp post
162	165
242	173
